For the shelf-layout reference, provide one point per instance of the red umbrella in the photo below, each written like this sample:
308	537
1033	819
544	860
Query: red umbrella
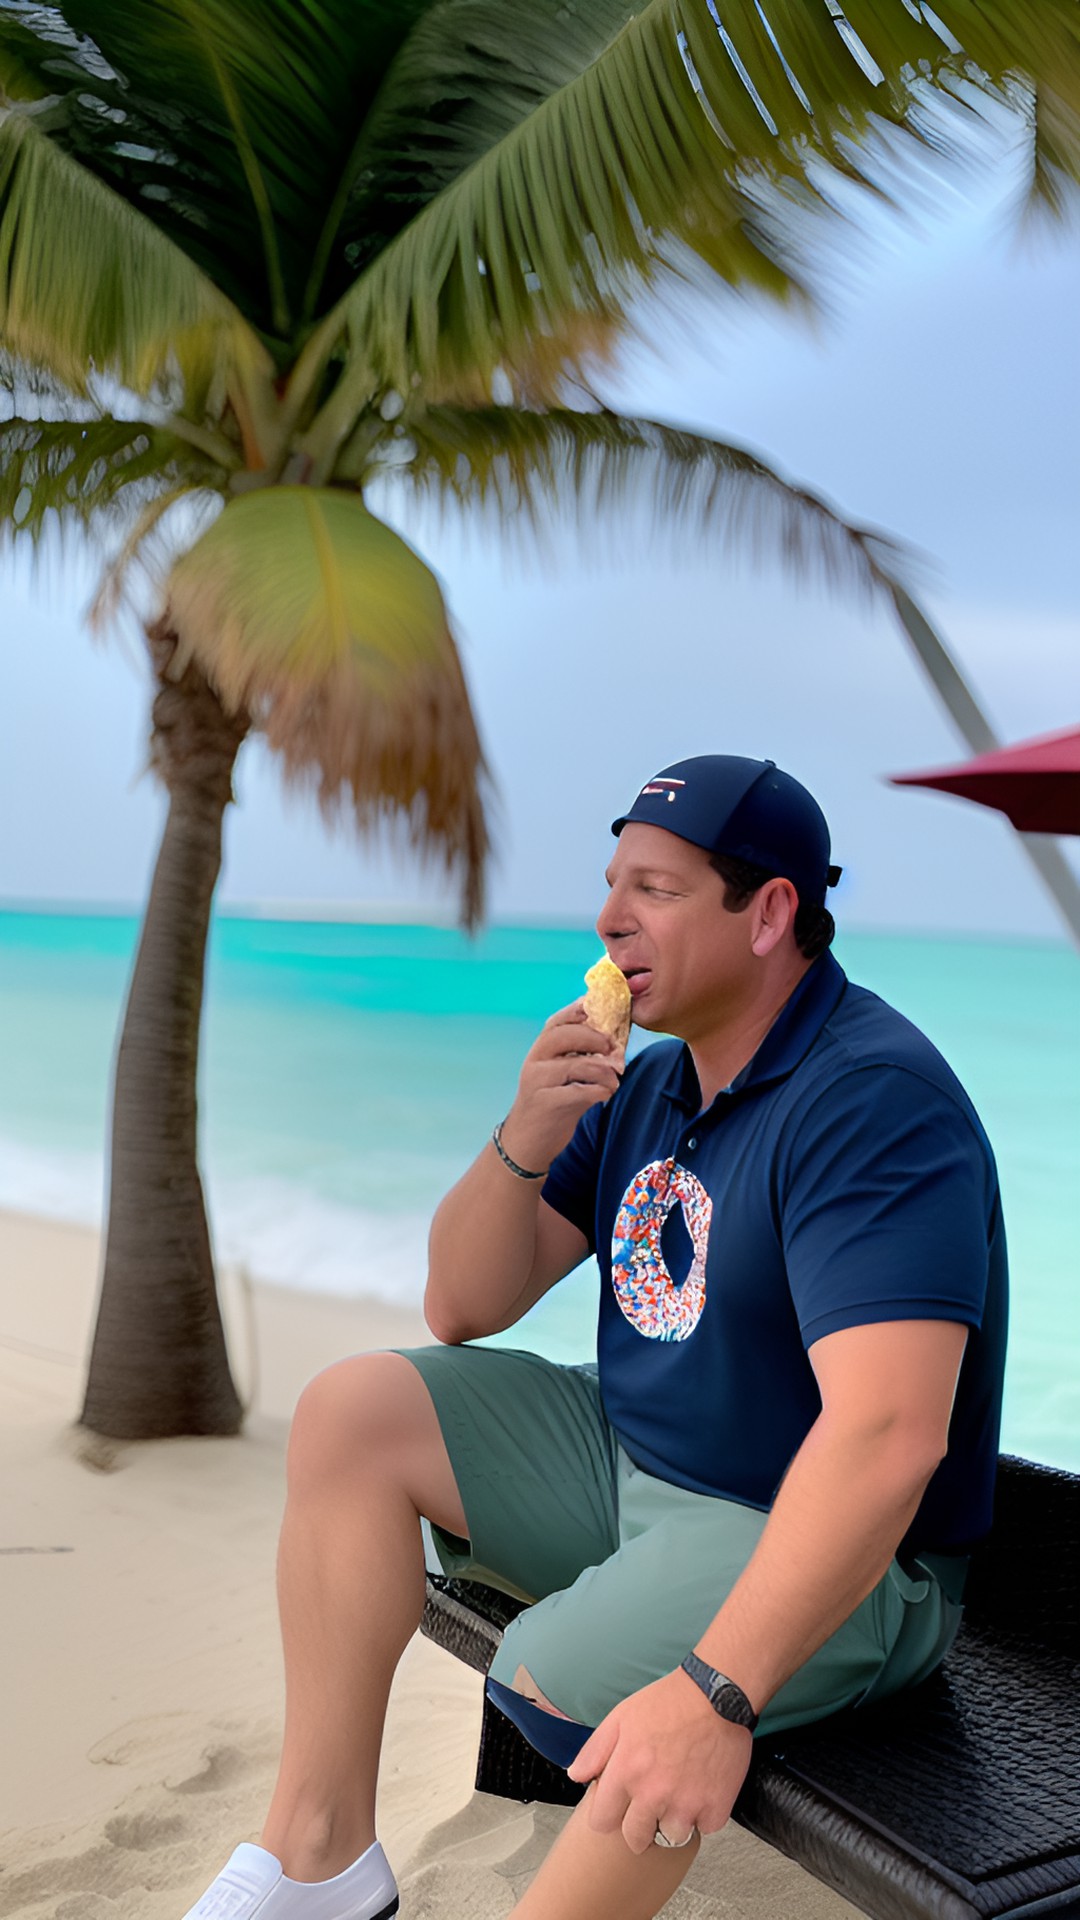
1037	782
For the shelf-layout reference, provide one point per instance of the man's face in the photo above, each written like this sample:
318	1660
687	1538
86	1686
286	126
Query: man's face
687	960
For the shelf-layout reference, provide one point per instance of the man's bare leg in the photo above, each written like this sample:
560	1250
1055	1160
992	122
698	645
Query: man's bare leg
595	1876
366	1458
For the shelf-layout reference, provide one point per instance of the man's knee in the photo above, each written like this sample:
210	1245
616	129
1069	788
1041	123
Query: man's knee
349	1415
370	1420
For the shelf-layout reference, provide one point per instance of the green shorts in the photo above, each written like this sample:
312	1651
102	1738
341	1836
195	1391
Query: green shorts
625	1571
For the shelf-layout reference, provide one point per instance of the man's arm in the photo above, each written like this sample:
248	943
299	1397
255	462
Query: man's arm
496	1247
847	1500
845	1504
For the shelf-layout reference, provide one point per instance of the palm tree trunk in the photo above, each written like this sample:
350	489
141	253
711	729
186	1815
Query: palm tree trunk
158	1365
974	728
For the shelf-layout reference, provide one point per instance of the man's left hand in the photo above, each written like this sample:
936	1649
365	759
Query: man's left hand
663	1758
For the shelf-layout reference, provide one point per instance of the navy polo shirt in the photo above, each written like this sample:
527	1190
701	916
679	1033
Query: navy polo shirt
843	1178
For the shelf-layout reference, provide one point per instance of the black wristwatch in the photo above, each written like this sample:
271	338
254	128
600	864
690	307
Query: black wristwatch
726	1699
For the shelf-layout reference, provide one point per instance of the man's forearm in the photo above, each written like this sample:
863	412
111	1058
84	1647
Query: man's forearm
845	1504
481	1250
493	1252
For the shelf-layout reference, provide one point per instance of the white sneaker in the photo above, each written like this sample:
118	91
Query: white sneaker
252	1886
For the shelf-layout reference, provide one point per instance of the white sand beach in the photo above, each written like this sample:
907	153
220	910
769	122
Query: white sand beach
139	1663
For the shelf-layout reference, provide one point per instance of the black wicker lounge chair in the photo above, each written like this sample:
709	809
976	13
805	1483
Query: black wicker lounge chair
957	1801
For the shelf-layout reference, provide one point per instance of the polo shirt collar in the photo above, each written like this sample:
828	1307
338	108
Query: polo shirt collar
788	1041
797	1024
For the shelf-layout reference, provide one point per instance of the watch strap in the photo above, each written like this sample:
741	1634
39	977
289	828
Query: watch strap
724	1695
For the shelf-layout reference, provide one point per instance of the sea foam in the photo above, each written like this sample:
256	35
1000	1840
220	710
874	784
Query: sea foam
283	1234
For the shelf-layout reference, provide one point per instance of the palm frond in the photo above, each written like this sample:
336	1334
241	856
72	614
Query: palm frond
1054	142
24	63
34	390
467	75
90	287
309	613
144	544
231	123
207	112
673	152
253	172
610	477
90	473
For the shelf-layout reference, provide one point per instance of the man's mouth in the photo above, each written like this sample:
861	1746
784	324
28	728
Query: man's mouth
638	978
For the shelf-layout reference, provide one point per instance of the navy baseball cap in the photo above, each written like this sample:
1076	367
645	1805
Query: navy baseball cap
748	809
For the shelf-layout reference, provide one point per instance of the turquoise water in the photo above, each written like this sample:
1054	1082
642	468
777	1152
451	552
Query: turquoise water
350	1072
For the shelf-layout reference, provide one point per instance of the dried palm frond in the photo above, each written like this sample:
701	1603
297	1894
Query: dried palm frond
305	610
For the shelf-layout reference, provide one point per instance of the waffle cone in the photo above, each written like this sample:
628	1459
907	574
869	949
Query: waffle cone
607	1001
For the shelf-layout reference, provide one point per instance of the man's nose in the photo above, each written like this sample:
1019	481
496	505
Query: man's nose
611	921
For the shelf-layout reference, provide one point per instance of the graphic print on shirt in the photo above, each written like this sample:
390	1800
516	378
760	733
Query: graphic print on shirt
644	1288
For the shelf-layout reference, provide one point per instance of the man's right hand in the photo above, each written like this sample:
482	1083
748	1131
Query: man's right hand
568	1070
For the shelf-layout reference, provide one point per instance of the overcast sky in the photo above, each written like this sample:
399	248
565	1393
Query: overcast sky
938	401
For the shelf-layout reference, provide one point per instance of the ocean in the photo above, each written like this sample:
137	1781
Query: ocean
351	1071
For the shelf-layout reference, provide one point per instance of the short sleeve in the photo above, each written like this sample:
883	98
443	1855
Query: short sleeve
886	1205
572	1177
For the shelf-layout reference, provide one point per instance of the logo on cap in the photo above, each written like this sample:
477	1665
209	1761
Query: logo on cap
666	788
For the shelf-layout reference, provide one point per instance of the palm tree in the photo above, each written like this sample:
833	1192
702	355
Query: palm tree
257	256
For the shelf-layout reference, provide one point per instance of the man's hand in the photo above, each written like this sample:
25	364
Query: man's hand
568	1069
663	1758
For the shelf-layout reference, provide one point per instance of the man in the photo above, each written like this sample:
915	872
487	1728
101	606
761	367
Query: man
758	1510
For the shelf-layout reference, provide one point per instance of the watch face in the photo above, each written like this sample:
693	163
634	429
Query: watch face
724	1696
731	1702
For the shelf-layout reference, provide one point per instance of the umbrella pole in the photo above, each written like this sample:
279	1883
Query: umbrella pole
974	728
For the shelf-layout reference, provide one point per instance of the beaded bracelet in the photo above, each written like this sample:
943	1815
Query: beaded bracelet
522	1172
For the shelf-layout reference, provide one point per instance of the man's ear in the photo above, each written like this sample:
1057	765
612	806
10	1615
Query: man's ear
774	908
